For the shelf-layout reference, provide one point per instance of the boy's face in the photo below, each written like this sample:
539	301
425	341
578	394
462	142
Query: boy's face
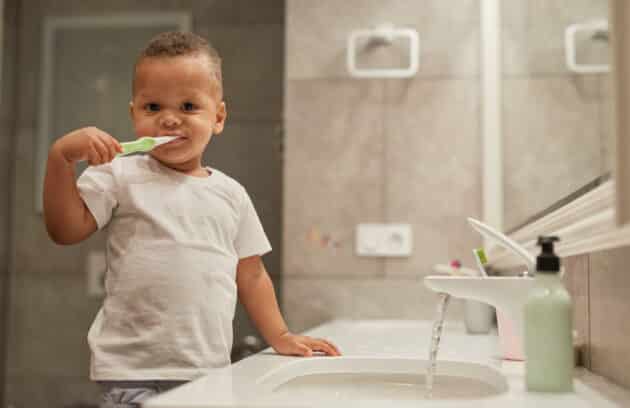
177	96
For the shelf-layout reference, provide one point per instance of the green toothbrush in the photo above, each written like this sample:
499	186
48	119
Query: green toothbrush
144	144
482	260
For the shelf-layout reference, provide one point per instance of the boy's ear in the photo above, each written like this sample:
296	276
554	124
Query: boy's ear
220	118
131	109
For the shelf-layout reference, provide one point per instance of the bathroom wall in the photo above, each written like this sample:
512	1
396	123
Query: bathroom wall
556	124
7	87
357	150
50	311
599	284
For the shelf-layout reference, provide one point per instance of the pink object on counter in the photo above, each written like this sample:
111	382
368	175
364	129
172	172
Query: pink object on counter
511	345
456	263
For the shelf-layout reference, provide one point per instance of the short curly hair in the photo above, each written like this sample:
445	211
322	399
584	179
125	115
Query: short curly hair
180	43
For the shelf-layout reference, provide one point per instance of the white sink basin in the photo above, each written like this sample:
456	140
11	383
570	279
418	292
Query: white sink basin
358	378
382	368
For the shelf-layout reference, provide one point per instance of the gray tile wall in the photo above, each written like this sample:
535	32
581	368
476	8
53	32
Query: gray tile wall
50	312
577	282
556	124
599	284
7	122
609	285
400	150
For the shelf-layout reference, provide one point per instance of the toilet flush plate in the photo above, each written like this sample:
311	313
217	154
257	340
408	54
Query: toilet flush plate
384	240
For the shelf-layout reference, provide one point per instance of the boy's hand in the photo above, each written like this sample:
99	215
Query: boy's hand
294	345
91	144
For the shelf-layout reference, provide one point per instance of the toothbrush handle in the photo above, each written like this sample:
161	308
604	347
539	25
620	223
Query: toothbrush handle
131	147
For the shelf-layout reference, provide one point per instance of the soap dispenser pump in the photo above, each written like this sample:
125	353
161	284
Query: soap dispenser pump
548	326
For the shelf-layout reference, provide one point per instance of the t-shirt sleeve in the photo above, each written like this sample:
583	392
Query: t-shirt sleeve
97	187
251	238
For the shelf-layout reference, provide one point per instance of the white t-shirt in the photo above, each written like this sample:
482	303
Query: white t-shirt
173	245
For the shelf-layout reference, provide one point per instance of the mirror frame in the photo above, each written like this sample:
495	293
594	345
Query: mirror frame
620	17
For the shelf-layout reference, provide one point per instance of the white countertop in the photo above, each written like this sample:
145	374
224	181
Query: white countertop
238	385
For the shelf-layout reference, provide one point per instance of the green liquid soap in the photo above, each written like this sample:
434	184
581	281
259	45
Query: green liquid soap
549	354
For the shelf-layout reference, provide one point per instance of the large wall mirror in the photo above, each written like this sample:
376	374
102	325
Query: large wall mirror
557	104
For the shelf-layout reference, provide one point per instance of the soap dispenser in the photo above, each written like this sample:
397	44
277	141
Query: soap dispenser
548	326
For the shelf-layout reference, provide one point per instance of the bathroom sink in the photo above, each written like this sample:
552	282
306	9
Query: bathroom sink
367	378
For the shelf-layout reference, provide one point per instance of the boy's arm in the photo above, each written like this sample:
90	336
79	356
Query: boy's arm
256	293
67	218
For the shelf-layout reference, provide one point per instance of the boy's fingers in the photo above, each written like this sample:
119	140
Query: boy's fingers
97	154
118	146
101	149
330	348
114	148
110	144
115	144
320	345
303	350
93	157
337	352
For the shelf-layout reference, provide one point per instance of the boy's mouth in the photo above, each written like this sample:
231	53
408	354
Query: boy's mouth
178	136
179	139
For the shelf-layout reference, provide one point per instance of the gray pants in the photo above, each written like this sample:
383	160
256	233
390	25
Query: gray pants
131	394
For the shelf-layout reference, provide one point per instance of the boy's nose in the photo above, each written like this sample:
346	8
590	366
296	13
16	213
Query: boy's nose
169	121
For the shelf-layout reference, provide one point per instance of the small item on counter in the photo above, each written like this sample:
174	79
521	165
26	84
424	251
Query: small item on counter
454	268
549	356
478	317
245	347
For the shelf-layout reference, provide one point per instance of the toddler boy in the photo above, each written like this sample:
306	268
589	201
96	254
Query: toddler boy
183	239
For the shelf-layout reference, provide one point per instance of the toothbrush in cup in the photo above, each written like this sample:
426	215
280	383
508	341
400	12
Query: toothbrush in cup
482	260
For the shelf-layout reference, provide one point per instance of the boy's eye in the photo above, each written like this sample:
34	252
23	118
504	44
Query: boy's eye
188	106
152	107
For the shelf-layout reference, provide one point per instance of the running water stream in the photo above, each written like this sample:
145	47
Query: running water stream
436	334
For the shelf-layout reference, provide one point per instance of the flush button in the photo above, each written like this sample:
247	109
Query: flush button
384	240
